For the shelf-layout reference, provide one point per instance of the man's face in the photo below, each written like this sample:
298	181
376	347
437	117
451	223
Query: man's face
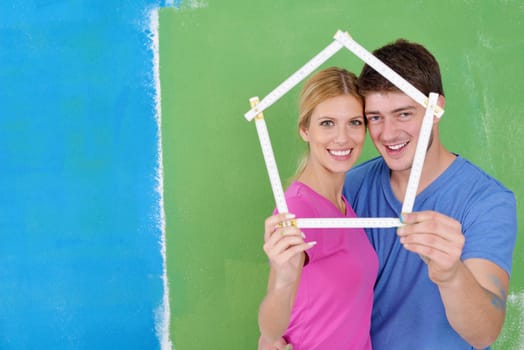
394	122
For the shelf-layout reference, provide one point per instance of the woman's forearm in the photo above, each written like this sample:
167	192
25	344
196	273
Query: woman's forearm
275	310
274	314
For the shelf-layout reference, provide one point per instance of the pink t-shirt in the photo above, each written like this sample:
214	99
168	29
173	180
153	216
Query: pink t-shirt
332	308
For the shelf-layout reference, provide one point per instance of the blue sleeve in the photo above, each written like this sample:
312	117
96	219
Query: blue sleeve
490	228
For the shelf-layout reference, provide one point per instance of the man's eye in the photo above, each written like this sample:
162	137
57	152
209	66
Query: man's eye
372	118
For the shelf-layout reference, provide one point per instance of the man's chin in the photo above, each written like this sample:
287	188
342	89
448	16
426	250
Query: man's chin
397	165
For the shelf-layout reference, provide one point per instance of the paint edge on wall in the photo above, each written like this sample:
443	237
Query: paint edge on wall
162	314
192	4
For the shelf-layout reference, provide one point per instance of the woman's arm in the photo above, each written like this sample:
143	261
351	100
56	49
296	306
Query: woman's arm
285	248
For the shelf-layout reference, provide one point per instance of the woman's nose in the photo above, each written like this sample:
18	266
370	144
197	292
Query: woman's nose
342	135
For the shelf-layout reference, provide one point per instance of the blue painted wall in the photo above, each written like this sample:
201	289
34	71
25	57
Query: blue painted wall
80	260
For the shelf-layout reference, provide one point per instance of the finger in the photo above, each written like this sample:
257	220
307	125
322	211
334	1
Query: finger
425	216
431	222
442	240
290	231
428	216
293	251
438	236
444	256
277	244
272	222
277	240
429	242
438	231
414	217
279	219
427	254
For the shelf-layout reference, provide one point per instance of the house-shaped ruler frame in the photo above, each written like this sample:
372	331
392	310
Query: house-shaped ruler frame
342	39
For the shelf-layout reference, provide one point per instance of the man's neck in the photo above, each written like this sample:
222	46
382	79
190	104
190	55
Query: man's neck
438	159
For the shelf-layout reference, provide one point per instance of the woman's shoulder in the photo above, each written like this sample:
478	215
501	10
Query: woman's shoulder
300	200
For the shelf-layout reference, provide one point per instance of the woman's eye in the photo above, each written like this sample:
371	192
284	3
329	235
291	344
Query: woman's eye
356	122
327	123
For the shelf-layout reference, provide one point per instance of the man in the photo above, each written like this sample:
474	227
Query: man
463	225
443	277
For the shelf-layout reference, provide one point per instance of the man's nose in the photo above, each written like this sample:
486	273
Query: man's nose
389	128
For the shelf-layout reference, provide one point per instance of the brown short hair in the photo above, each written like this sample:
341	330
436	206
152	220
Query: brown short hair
411	60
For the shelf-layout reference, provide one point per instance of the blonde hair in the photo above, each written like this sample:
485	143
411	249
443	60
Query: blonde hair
325	84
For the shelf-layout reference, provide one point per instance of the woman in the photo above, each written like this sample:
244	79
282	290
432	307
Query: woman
320	287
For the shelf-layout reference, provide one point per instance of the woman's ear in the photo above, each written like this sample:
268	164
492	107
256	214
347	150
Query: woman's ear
304	134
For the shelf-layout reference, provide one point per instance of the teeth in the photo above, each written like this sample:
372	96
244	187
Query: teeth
340	153
396	147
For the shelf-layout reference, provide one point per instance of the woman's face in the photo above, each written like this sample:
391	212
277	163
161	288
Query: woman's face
335	134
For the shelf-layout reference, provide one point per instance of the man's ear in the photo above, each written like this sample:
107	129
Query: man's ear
441	102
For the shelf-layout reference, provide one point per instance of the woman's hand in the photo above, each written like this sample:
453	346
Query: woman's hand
284	245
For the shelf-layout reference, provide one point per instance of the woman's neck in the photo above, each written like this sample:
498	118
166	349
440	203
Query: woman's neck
329	185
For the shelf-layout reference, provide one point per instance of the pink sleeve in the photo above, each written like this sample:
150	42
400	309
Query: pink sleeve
305	209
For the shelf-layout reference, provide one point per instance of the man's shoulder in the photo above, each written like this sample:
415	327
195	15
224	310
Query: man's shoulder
476	177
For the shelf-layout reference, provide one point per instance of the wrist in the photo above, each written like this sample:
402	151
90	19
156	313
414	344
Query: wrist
283	286
453	279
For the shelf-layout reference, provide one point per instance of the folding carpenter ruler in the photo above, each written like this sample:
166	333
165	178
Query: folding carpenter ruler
269	158
342	39
420	154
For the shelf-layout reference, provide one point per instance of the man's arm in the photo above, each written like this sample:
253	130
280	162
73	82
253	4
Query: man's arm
476	301
474	291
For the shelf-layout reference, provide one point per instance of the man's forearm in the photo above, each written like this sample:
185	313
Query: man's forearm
475	313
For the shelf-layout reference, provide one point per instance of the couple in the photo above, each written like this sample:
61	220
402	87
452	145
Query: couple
438	282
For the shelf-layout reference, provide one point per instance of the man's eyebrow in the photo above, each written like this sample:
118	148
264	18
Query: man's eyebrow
371	112
404	108
396	110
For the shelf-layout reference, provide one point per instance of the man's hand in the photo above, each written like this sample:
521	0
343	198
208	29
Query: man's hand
473	291
438	239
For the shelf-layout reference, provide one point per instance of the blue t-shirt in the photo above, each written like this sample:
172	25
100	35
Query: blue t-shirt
408	312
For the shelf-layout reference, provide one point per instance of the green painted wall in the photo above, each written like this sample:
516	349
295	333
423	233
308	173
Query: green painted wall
215	55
